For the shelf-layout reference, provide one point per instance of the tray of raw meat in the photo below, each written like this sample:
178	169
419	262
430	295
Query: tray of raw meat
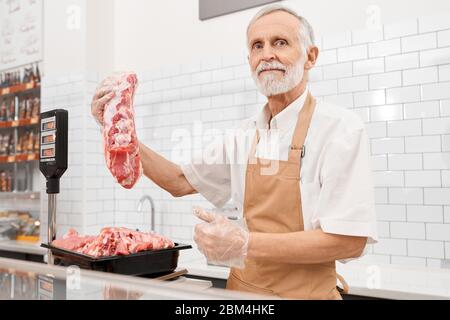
118	250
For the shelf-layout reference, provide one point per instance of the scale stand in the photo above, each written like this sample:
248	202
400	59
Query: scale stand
53	162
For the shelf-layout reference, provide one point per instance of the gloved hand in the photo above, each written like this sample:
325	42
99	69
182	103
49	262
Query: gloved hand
222	241
103	94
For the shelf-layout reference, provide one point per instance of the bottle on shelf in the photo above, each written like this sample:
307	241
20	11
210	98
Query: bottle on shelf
38	75
32	75
6	180
2	145
20	144
9	186
27	108
37	141
22	108
30	142
36	107
7	80
10	145
3	181
11	111
3	111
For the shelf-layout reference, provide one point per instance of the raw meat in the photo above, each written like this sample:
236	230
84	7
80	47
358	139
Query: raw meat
113	242
72	241
119	131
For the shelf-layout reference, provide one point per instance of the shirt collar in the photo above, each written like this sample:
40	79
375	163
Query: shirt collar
286	119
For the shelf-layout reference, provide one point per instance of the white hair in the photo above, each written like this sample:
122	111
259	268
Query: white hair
306	32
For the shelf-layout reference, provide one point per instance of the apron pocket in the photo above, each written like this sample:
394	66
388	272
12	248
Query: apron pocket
235	283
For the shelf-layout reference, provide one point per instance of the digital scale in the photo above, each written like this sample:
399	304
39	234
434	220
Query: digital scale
52	163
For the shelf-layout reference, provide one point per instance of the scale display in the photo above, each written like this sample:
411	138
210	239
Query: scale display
50	125
48	153
48	138
53	149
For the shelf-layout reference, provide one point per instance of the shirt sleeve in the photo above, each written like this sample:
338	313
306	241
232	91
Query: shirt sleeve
346	201
209	173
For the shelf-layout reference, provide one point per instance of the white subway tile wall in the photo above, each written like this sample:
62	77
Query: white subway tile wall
396	79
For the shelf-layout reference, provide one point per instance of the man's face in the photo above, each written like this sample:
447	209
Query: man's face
277	56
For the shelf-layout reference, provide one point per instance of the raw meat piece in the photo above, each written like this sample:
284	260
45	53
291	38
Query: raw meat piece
119	131
113	242
72	241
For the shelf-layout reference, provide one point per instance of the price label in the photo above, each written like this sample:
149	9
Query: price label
34	120
5	91
29	85
15	123
11	159
31	157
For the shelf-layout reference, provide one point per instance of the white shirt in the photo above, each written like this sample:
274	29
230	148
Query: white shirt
336	177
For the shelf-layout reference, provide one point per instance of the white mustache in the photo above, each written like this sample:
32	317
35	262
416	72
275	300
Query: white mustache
263	66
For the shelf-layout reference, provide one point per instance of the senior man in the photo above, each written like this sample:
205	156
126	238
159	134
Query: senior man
306	205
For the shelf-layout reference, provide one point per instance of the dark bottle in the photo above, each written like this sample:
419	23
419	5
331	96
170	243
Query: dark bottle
25	76
7	79
32	74
37	141
12	110
3	111
38	74
10	146
28	108
22	109
36	107
2	181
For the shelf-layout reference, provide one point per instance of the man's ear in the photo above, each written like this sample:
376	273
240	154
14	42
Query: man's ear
313	55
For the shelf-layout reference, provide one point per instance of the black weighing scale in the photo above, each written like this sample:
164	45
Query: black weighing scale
53	161
53	164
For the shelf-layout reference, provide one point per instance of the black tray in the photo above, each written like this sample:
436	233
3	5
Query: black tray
144	263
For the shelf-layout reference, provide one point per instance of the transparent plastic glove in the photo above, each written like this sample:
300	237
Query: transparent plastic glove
222	241
103	94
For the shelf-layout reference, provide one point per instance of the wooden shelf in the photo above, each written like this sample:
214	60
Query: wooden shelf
19	88
19	123
19	158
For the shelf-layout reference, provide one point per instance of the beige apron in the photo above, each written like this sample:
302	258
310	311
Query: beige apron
272	204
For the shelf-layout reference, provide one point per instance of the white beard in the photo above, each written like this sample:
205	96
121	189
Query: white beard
269	85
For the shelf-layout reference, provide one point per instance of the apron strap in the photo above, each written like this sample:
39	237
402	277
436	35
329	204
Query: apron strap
301	130
297	149
252	155
345	287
